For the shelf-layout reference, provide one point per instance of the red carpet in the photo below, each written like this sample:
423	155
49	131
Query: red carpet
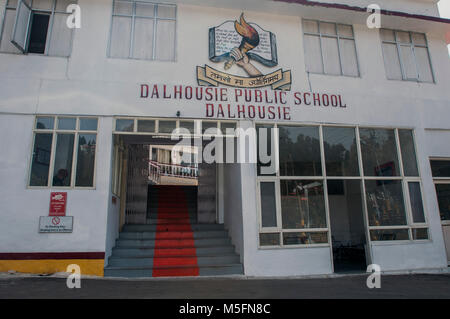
175	253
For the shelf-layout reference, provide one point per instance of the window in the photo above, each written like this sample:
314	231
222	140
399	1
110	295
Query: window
406	56
63	152
440	169
143	30
37	26
330	48
370	175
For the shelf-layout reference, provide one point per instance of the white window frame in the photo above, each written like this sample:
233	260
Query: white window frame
55	131
48	44
441	180
412	45
133	17
338	37
324	178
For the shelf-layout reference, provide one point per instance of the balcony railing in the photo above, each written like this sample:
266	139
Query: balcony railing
156	170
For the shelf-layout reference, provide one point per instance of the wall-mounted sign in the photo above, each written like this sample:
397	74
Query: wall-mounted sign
239	44
55	224
58	203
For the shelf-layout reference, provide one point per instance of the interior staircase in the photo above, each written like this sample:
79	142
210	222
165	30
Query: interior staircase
172	243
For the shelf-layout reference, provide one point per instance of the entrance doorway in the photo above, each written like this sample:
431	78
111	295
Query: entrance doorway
347	225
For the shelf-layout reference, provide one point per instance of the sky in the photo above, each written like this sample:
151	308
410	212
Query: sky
444	10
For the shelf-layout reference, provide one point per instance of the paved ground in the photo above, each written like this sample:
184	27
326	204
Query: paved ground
392	286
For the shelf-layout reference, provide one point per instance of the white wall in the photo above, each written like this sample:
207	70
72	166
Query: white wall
21	206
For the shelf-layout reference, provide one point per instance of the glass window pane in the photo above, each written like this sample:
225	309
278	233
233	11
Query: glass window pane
440	168
123	7
327	28
408	153
147	126
62	172
423	64
165	40
379	152
330	53
409	64
443	195
61	37
302	204
46	5
123	125
145	9
389	234
403	37
269	239
8	25
228	125
268	205
67	123
86	160
88	124
313	54
299	151
41	159
415	196
11	3
167	126
305	238
120	37
341	155
345	30
45	123
419	38
166	11
348	57
310	26
143	39
391	62
266	161
385	203
387	35
188	125
210	126
420	233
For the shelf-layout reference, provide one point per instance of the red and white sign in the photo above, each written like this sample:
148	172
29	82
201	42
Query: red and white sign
58	202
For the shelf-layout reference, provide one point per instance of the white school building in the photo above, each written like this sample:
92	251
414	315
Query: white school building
353	117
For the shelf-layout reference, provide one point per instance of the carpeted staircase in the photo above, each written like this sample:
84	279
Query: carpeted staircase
172	243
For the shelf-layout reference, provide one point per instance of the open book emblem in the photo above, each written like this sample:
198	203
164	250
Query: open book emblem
235	45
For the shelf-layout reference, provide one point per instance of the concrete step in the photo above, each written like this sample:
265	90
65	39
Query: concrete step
149	252
152	227
173	261
174	234
154	221
174	243
136	272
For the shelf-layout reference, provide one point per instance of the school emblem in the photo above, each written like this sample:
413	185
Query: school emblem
238	44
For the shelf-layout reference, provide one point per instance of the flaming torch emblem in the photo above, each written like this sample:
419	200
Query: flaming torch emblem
250	39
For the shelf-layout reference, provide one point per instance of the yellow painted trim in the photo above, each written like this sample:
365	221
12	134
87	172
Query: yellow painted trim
48	266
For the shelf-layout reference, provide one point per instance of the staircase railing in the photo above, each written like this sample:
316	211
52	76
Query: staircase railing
156	170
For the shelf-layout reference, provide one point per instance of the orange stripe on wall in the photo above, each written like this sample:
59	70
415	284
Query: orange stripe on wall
92	267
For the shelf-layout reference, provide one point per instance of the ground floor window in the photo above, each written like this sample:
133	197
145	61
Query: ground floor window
343	185
63	152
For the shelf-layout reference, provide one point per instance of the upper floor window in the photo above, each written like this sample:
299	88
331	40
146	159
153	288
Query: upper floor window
36	26
143	30
330	48
406	56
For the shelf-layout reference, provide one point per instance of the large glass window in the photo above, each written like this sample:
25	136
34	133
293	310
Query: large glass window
143	30
37	26
328	169
330	48
63	154
406	56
